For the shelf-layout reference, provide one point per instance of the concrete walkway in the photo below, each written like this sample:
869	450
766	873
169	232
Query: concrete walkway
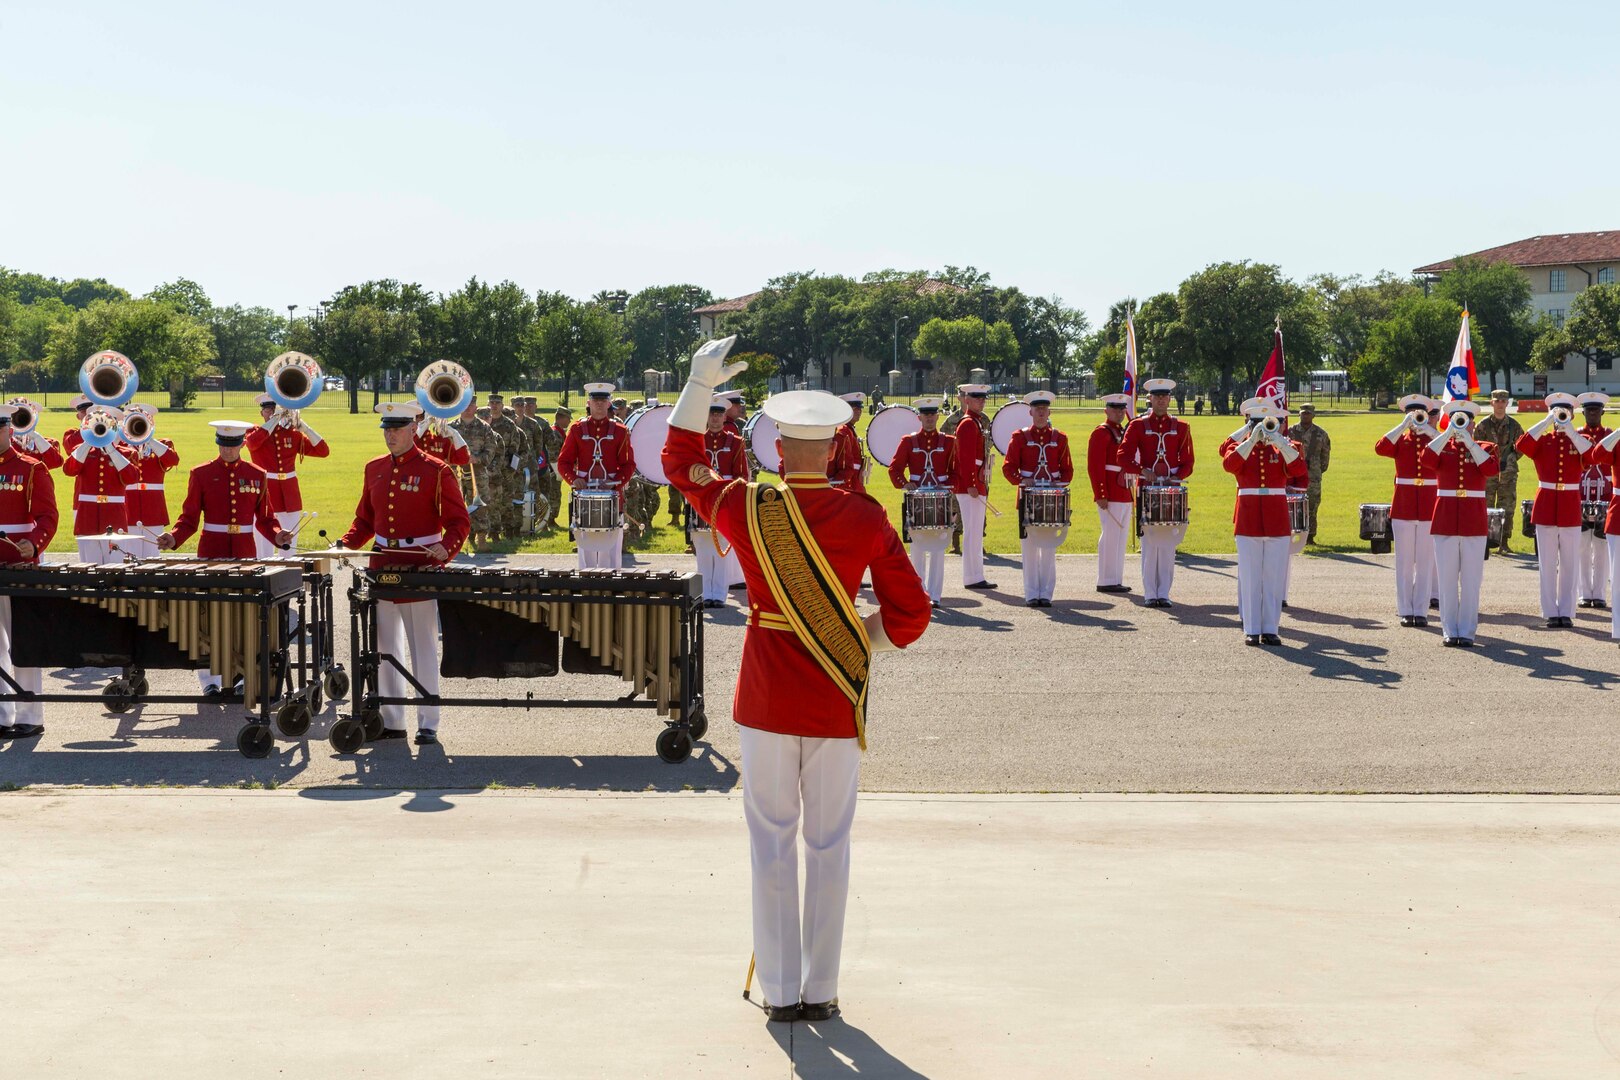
325	933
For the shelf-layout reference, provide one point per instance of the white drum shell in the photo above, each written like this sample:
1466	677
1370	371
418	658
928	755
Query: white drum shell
649	427
887	428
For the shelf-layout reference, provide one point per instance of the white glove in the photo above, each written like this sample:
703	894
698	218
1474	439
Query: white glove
1286	449
81	452
1610	440
1540	429
1426	428
1245	446
119	460
273	423
1394	433
877	635
1581	442
1444	437
1477	452
309	433
709	370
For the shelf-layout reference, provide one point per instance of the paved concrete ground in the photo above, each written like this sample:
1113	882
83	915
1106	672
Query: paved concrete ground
1095	694
372	933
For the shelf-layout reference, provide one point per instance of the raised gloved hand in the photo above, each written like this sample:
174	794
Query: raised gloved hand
1539	429
81	452
1608	441
709	370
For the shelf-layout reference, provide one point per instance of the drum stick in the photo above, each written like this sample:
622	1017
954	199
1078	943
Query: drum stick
748	983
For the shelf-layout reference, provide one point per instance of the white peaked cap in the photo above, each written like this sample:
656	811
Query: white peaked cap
1263	407
719	401
264	399
400	412
1561	398
732	395
1592	397
1038	397
78	401
231	429
8	409
141	407
973	388
599	388
857	398
1116	399
807	414
1469	407
1412	401
928	403
1159	386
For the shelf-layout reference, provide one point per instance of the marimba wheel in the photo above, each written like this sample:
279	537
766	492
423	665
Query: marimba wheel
674	745
370	720
337	684
293	718
116	696
347	736
699	724
138	686
255	740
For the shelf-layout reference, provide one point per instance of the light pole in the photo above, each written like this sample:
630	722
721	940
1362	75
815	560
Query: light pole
897	322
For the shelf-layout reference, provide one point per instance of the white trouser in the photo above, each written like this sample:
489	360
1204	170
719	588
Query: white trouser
29	678
716	575
1296	544
786	777
733	565
1039	548
417	621
145	547
1459	565
1614	586
1112	521
1594	560
972	540
98	550
265	549
1159	559
1414	566
600	550
1262	569
1558	556
928	559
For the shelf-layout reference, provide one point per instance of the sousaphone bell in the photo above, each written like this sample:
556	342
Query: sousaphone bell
294	381
108	379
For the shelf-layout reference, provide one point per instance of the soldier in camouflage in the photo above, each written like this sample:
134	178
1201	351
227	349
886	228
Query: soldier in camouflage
1318	448
553	436
506	475
948	426
530	427
482	447
1502	490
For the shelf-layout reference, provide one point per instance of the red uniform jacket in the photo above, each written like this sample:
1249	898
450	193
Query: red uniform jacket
1038	456
1102	464
779	687
972	451
277	453
98	489
726	453
145	502
1140	453
1459	504
71	438
848	460
412	500
228	498
27	503
1414	479
1558	468
1609	461
1262	479
42	448
448	447
924	457
578	463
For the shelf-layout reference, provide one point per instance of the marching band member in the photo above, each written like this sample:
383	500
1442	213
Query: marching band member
99	479
228	497
276	447
1459	525
145	504
1158	449
848	466
607	465
801	689
1038	456
1557	450
737	411
1109	492
971	480
1262	461
925	458
412	512
27	521
729	460
1411	508
443	442
74	435
1605	456
1593	585
36	444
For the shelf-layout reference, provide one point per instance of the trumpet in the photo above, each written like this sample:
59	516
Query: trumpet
100	427
1461	421
136	427
1269	424
293	381
25	417
1562	415
108	379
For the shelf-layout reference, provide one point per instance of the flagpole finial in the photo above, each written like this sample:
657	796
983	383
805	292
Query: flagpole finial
1279	320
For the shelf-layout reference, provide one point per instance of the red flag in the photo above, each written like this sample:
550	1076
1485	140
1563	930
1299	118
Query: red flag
1274	380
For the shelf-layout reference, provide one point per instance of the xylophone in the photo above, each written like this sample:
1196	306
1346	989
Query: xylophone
646	627
227	616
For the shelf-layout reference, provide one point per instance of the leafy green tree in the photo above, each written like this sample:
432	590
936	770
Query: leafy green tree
1501	327
660	325
486	329
1055	331
31	332
245	341
358	340
1350	305
1227	313
185	296
577	343
756	381
1418	335
1591	332
957	346
29	288
10	314
166	345
798	318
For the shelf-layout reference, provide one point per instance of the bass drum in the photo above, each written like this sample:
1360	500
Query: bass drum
760	435
1011	417
649	425
887	428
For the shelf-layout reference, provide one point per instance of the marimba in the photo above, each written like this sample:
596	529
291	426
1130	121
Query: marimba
645	627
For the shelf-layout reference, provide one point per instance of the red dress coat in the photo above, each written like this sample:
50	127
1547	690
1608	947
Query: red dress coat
1139	455
448	447
1558	470
145	502
228	500
27	504
972	451
98	489
1262	480
1103	464
848	461
577	460
1414	480
923	457
277	453
410	500
780	687
1609	461
1459	505
726	453
42	448
1038	456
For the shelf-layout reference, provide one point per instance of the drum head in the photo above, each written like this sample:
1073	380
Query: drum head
760	435
887	428
1011	417
648	428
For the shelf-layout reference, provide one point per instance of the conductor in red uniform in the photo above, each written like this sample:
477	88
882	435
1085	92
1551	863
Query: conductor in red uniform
1558	451
1411	508
1460	526
801	690
1109	492
1262	461
27	523
276	446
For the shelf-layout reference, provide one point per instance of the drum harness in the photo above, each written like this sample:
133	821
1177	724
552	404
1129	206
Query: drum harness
1043	472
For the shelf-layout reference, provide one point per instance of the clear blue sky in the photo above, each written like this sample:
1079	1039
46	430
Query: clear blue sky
277	153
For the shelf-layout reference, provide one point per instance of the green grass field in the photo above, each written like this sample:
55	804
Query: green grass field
331	485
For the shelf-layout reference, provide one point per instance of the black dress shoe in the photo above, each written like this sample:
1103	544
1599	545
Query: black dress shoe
980	585
739	585
1554	623
1448	642
824	1011
1434	605
1114	588
1420	620
1569	623
936	605
24	731
781	1014
1583	603
212	691
1251	639
1165	603
1464	642
1406	620
388	733
1032	603
1046	603
1601	605
425	737
1270	639
1285	603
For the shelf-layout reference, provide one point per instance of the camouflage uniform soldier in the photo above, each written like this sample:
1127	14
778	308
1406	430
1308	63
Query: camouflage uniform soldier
552	437
482	447
948	426
506	481
529	477
1318	447
1502	490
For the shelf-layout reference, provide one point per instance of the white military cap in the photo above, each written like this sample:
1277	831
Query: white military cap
1415	401
1038	397
264	399
925	404
807	414
857	398
1116	399
79	401
7	409
973	388
733	395
719	402
1262	407
230	432
1561	398
141	407
599	389
1460	406
1592	397
1159	386
398	413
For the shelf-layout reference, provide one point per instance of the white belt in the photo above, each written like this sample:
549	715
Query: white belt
233	530
1111	468
1450	493
282	475
101	498
1420	481
407	541
1548	486
1262	491
143	487
16	528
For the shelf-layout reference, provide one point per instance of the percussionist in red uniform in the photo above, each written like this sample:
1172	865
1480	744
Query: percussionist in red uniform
1604	456
1558	451
597	456
1459	526
99	476
27	523
801	690
145	503
1037	457
724	451
1158	449
1262	461
926	458
971	480
1109	492
848	466
1411	509
1593	586
276	447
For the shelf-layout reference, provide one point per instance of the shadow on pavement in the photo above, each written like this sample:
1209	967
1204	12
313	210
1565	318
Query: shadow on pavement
1327	618
1330	658
1540	663
837	1049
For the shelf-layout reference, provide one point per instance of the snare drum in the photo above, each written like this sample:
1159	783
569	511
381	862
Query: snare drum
1163	504
930	509
1046	507
596	511
1375	521
1593	514
1495	526
1297	512
1527	517
695	522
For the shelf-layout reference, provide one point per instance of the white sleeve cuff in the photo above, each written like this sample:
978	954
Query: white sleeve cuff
877	635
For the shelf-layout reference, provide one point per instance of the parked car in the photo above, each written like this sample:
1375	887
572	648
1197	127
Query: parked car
335	382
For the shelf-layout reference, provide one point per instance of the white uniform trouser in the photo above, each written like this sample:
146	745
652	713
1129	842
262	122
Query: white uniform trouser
716	575
1112	521
1459	563
417	622
1594	560
1558	556
733	565
786	777
29	678
1262	569
1159	544
972	540
928	559
1039	547
1614	586
1414	566
600	549
99	550
1296	544
263	548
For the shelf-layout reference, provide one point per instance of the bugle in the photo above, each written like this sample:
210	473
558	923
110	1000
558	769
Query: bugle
108	379
25	417
100	427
